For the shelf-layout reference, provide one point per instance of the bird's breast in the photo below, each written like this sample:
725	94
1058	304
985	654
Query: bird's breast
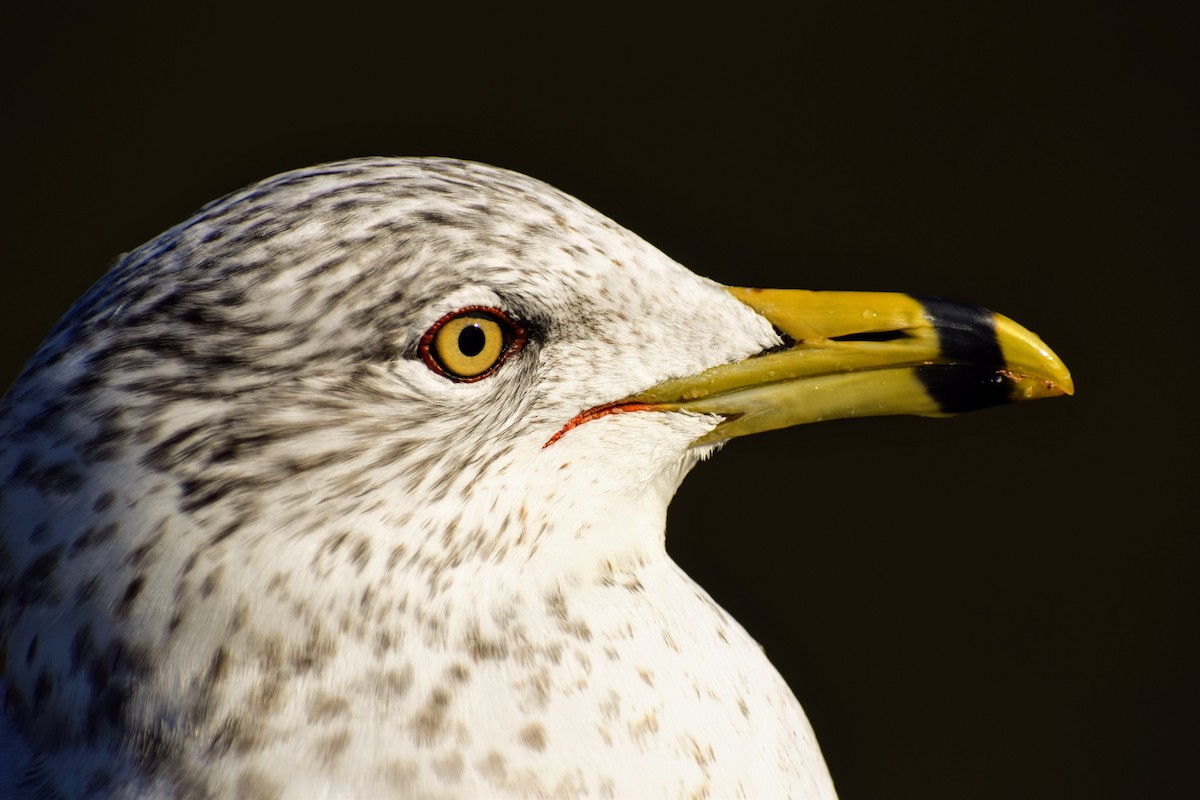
636	684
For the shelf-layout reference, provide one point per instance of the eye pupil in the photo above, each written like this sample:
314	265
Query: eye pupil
471	340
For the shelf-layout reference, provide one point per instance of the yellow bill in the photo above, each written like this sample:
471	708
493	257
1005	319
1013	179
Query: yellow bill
862	354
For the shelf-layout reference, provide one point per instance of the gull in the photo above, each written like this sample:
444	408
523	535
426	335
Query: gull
355	484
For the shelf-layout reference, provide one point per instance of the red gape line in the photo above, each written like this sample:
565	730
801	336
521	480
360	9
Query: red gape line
596	413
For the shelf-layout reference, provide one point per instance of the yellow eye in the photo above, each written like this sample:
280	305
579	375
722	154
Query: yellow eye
471	343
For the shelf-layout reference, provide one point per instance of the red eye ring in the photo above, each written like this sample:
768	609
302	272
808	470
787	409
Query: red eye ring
514	335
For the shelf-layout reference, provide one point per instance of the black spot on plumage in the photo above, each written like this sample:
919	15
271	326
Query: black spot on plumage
106	445
43	687
218	668
235	446
38	533
46	419
83	649
60	477
143	553
197	315
87	384
210	582
226	531
95	535
108	706
130	595
104	501
166	454
87	590
35	585
198	492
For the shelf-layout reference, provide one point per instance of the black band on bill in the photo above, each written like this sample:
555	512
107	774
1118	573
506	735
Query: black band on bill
958	388
966	334
967	339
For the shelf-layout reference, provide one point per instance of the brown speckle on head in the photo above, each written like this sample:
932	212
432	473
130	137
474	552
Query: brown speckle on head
334	541
610	707
241	614
402	775
385	642
389	685
189	563
394	556
645	727
533	736
254	785
429	724
556	608
537	688
578	629
360	555
493	767
267	694
323	706
218	669
314	654
556	605
331	747
278	583
703	755
484	649
212	581
238	735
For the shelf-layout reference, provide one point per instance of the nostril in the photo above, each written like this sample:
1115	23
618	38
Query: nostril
872	336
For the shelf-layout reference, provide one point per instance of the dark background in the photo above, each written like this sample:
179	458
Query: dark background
1000	605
